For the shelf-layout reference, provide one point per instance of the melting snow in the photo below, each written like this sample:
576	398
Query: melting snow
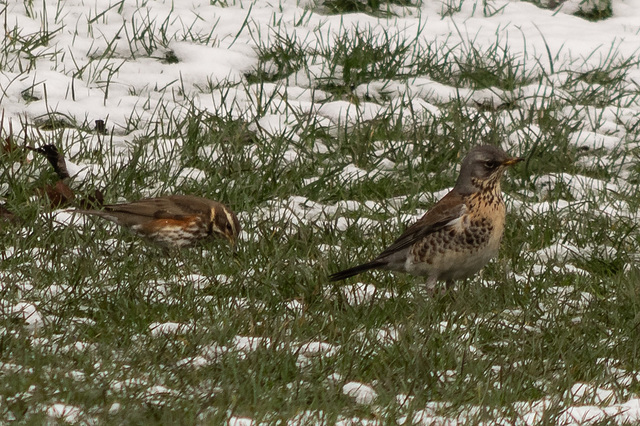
28	313
169	328
212	76
363	394
66	413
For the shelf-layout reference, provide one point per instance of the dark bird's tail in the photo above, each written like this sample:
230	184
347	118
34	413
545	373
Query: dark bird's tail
56	159
355	270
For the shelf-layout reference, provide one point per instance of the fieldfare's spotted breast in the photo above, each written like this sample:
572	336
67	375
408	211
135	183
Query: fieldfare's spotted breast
461	249
460	234
174	221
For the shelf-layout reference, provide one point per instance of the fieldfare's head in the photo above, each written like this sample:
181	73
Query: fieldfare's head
224	223
483	167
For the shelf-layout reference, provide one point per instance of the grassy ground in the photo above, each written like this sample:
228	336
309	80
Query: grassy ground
533	324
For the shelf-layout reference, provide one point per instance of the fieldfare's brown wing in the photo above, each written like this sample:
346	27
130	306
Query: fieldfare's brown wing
450	208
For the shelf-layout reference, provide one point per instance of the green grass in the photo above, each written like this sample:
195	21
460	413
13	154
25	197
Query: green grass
591	10
529	327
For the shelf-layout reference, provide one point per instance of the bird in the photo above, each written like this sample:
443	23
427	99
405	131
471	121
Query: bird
7	215
55	158
60	194
174	221
459	234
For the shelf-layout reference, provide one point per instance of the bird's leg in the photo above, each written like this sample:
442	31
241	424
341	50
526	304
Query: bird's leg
432	290
449	285
430	286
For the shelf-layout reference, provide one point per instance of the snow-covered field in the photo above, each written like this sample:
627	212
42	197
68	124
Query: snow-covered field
327	132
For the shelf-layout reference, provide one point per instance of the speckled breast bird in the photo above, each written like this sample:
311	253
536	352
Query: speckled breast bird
175	221
460	234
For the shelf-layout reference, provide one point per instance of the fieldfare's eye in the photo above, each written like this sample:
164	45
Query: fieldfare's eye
492	164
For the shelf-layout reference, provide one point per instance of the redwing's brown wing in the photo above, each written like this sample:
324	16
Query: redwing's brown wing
146	207
447	210
190	204
140	212
174	207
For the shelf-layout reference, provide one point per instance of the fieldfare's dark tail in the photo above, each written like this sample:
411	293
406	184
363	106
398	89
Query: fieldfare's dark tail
355	270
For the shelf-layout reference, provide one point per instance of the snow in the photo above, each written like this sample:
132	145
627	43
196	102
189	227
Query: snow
168	328
250	343
29	314
99	65
359	293
363	394
157	394
194	362
310	352
66	413
198	281
317	348
295	307
585	392
240	421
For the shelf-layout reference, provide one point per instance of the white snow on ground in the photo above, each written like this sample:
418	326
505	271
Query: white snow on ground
240	421
66	413
360	293
168	328
28	313
363	394
216	48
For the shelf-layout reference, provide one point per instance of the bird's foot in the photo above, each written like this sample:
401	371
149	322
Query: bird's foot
430	291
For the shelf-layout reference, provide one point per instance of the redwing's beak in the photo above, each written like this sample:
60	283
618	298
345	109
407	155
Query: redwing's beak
219	233
231	238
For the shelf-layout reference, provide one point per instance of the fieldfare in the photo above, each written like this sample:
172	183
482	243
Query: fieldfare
175	221
460	234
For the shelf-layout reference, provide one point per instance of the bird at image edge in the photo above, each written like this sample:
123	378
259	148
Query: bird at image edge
174	221
459	234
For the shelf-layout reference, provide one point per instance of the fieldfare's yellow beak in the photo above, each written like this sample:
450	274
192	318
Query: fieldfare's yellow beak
512	161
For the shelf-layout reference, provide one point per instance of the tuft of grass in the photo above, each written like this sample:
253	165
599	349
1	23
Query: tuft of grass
281	57
372	7
595	10
591	10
